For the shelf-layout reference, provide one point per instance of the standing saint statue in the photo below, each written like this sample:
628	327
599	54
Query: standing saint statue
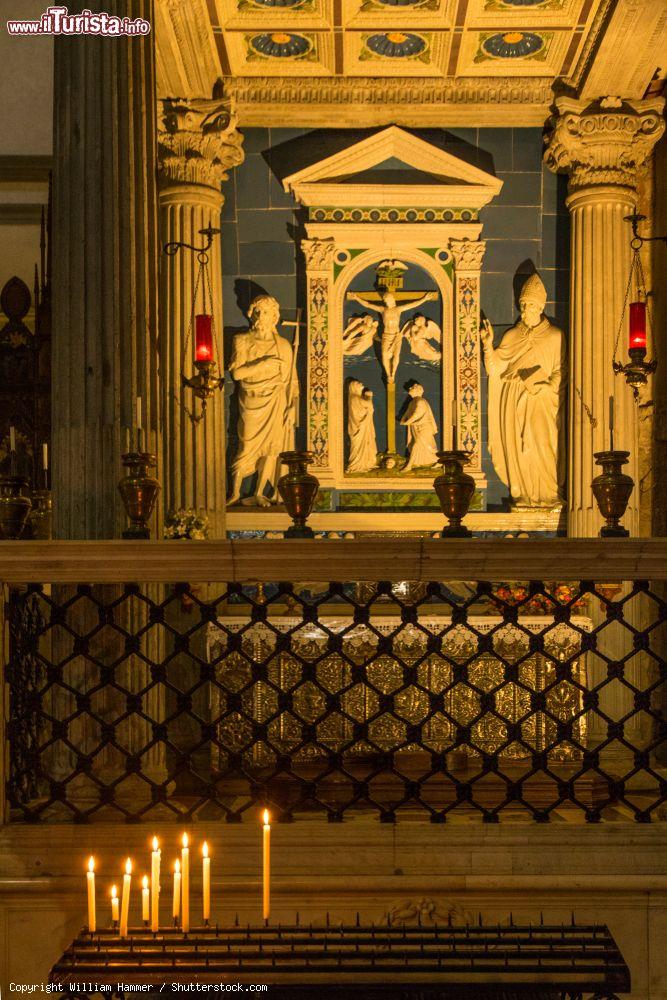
526	395
391	339
361	429
422	430
263	364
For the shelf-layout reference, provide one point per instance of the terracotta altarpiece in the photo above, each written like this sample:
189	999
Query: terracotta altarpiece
393	261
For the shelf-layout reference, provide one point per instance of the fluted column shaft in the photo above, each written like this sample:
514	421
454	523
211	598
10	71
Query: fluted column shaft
198	142
602	145
104	268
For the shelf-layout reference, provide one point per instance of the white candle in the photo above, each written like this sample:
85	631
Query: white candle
12	439
185	885
145	900
114	904
266	842
206	879
155	885
125	902
138	413
176	908
90	879
611	423
45	456
455	420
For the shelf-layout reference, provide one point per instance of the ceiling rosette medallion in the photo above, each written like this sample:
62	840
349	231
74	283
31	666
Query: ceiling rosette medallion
512	45
280	45
397	45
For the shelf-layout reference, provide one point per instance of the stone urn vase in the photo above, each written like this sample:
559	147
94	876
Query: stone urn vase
612	489
298	490
455	489
14	506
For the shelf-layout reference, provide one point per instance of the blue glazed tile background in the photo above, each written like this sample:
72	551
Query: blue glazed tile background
526	227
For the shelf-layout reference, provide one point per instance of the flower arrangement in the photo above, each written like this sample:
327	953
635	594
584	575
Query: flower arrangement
186	524
543	603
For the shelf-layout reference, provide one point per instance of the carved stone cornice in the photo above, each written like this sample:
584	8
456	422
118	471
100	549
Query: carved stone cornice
604	142
187	61
468	254
412	101
198	141
318	254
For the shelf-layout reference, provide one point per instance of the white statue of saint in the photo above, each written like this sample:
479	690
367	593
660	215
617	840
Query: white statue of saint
391	339
526	395
361	429
262	363
359	334
422	430
418	332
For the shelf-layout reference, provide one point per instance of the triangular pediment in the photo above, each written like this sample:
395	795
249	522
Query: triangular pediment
392	158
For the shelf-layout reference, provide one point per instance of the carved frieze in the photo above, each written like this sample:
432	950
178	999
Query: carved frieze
198	141
605	142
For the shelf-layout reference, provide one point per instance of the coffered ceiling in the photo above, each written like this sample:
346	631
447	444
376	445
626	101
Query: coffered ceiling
371	61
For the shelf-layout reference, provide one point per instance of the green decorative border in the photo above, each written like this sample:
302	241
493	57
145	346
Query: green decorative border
380	213
353	253
399	501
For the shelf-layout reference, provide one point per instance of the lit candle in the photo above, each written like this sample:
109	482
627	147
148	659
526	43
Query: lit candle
185	885
611	422
206	878
90	879
266	908
177	891
155	885
203	337
455	420
114	905
637	326
125	902
145	900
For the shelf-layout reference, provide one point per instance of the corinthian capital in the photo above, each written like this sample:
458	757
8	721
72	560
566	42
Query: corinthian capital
318	254
468	254
607	141
198	141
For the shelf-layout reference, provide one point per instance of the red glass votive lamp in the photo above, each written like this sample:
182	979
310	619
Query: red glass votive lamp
637	326
203	337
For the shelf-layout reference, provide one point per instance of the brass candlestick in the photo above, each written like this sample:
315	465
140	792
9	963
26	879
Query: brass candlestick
612	489
14	506
40	518
455	489
139	490
298	489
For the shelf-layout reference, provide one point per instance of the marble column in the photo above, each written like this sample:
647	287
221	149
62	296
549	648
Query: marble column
198	144
105	343
603	146
104	268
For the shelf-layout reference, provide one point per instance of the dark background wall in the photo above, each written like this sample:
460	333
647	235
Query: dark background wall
526	226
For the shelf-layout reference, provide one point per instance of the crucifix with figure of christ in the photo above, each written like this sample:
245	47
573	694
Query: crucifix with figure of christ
391	304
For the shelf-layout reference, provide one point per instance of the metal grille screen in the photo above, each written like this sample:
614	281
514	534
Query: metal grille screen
168	701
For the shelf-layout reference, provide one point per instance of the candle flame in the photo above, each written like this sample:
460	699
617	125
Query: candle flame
177	866
128	867
155	844
114	892
91	864
266	817
185	840
204	849
144	881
